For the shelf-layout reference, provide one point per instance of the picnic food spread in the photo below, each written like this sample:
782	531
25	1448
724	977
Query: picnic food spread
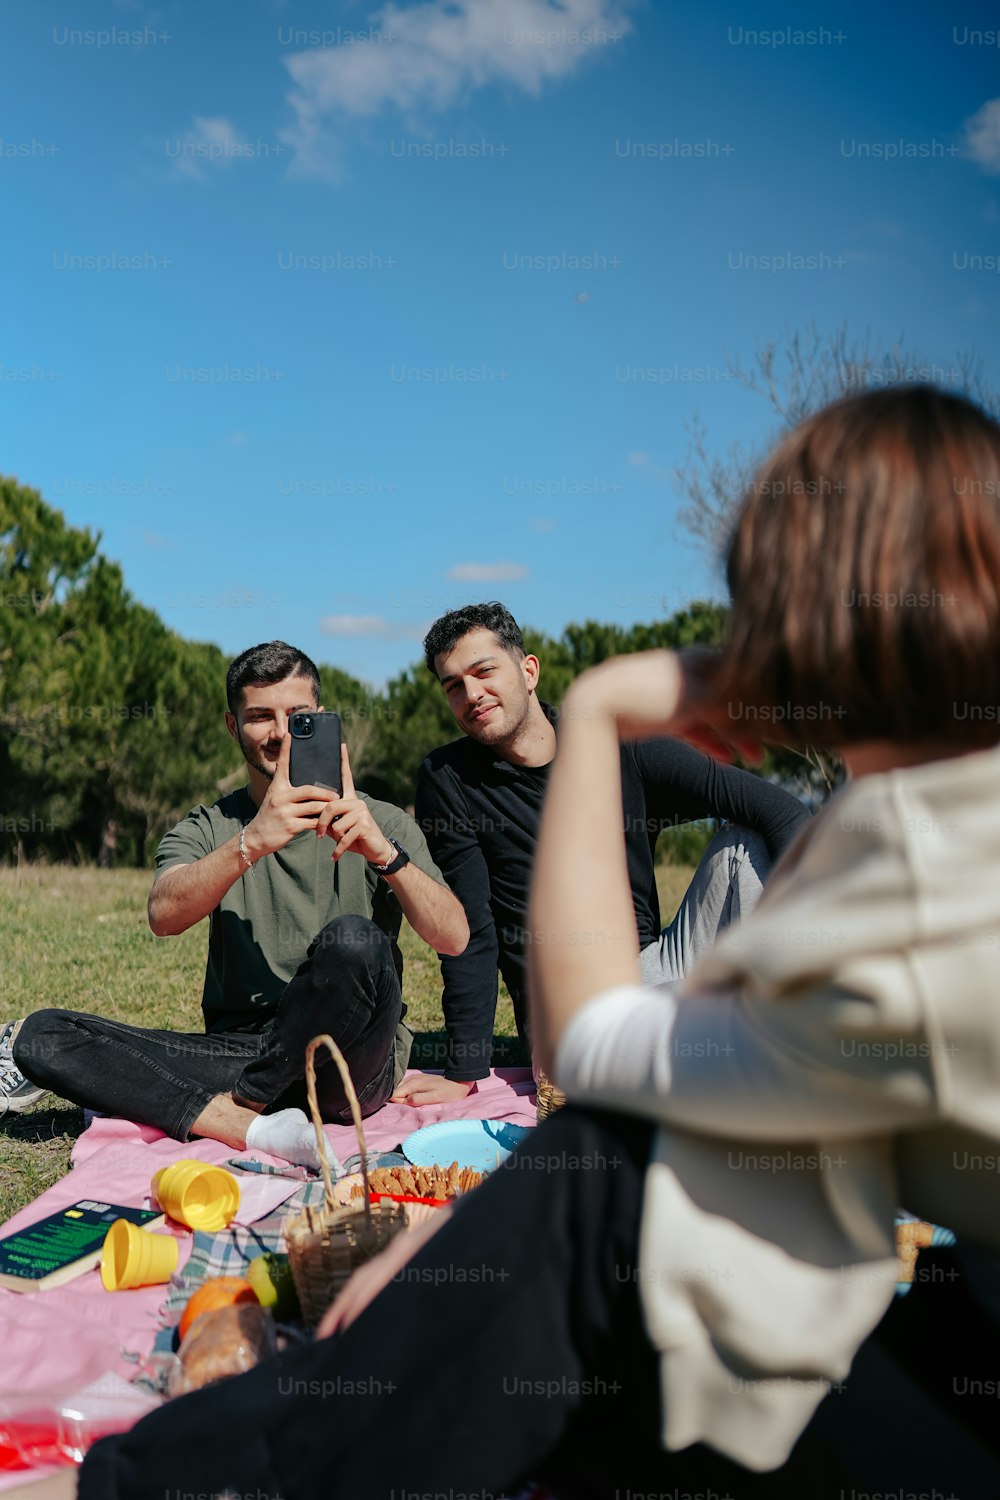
421	1182
229	1323
217	1341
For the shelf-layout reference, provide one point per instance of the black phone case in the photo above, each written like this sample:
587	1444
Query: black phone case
316	761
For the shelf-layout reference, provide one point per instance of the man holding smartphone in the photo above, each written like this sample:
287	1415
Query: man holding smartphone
300	942
479	800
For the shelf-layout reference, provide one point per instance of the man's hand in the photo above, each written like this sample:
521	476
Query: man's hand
429	1088
183	894
349	822
371	1278
285	811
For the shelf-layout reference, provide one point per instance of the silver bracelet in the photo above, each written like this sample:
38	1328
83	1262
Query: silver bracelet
244	856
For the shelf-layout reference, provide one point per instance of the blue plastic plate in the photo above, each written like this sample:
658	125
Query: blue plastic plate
479	1144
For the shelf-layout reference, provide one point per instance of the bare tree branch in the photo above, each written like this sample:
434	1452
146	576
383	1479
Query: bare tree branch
794	376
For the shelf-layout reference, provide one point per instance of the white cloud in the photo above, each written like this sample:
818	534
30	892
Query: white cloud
355	625
370	625
637	459
504	572
982	136
213	141
434	55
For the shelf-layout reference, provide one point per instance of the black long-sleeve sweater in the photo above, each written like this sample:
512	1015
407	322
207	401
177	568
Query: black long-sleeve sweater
480	815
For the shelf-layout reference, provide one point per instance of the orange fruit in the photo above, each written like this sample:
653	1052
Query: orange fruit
219	1291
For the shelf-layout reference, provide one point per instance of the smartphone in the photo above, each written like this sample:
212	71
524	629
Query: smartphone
314	759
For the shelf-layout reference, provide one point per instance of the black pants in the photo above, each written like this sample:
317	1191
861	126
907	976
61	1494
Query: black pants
347	985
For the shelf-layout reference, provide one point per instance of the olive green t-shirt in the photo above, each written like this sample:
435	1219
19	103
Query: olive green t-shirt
259	932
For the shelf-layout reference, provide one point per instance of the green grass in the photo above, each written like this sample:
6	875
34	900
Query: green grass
78	938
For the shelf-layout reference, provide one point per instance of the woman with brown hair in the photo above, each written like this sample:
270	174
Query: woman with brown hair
698	1252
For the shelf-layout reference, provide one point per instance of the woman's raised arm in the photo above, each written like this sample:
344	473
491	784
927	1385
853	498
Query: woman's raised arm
580	916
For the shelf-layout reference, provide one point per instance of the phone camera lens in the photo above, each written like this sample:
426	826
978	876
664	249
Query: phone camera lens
302	726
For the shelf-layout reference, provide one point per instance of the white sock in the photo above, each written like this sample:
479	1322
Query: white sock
290	1135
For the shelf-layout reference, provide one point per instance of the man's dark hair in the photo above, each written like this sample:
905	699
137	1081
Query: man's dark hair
446	632
271	661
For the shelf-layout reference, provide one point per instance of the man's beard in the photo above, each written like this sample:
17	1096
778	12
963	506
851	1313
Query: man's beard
513	720
258	764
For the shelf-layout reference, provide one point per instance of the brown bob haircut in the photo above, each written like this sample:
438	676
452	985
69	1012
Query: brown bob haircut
864	571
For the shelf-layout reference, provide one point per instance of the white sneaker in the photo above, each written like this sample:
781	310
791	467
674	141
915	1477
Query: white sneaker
17	1093
8	1031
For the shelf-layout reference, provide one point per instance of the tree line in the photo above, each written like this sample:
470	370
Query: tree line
111	723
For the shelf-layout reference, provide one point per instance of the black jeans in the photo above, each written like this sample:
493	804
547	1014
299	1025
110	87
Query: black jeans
347	985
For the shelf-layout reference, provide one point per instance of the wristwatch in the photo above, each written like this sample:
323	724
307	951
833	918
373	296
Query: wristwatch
394	865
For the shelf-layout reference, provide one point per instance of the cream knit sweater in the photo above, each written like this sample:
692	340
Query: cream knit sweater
838	1053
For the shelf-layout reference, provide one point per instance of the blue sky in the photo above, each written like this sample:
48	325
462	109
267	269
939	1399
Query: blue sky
274	320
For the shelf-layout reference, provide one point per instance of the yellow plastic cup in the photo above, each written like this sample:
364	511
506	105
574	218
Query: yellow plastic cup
135	1257
197	1194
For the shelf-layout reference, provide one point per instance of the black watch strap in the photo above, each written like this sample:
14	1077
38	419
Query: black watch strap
401	860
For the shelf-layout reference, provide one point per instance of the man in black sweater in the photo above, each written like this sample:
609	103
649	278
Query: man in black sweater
478	802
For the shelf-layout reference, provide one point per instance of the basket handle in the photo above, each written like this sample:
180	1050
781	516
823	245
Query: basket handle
345	1075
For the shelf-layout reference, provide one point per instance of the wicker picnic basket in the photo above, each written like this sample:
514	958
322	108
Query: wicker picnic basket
326	1245
549	1098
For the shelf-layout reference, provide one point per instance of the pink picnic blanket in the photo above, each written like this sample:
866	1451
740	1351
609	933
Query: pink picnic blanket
58	1341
